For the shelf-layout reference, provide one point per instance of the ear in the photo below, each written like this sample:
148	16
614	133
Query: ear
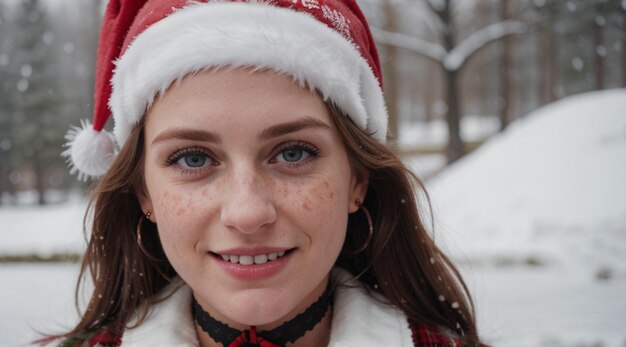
145	202
358	188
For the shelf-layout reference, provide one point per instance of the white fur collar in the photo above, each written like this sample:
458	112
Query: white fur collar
358	320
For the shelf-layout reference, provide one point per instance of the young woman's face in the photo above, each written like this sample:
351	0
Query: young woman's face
250	188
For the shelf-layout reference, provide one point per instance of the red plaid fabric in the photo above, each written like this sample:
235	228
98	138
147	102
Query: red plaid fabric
426	337
422	337
105	339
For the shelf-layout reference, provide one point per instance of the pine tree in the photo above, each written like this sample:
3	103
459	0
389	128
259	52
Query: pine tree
35	141
7	86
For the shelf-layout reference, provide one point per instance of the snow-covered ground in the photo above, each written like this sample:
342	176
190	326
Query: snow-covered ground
550	306
434	134
540	213
551	190
517	306
36	298
537	216
47	230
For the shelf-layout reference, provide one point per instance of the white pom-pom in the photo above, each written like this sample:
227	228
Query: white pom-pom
90	153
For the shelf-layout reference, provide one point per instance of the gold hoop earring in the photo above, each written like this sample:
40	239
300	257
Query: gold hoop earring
370	232
139	241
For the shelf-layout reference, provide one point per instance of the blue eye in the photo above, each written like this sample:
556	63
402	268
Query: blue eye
190	159
293	154
193	160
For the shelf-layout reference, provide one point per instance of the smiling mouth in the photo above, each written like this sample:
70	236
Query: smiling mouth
253	259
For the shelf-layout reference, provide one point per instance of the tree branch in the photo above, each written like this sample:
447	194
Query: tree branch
424	48
435	22
458	56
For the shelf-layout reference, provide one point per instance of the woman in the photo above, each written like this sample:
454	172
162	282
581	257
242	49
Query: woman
253	200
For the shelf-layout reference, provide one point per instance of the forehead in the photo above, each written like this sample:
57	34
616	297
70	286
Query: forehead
238	97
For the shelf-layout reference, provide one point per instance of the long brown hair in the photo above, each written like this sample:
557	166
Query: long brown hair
125	277
400	261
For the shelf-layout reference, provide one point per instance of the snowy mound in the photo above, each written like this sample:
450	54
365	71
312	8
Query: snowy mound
549	190
43	231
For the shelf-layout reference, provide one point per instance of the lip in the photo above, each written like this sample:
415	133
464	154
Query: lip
251	250
255	272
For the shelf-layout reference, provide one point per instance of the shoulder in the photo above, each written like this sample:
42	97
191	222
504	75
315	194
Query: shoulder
429	337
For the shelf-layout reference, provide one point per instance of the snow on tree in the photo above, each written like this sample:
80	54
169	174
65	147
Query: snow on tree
450	55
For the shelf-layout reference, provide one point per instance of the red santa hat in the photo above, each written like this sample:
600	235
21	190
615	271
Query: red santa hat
147	45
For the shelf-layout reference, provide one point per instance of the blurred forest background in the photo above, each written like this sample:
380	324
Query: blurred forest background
444	61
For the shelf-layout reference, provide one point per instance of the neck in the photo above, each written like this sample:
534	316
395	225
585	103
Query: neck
309	327
319	336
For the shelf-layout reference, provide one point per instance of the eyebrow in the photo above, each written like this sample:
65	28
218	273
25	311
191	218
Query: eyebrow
268	133
187	134
291	127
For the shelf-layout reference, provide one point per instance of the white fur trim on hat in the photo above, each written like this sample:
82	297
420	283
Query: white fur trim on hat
207	35
90	153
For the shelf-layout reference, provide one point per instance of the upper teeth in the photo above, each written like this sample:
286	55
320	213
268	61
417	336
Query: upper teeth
252	259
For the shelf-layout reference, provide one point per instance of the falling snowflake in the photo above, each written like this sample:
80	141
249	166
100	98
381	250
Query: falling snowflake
22	85
26	70
600	20
578	63
4	59
571	6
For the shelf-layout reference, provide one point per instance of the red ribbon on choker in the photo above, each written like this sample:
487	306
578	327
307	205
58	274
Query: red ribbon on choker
286	333
250	338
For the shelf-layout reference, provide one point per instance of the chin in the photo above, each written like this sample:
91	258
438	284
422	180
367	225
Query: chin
263	308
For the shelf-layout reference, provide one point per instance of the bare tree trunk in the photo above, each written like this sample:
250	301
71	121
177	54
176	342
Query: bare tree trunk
391	75
40	176
598	47
430	94
623	12
5	118
96	19
506	83
456	147
3	181
548	55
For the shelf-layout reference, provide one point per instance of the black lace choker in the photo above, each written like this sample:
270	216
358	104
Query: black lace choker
287	332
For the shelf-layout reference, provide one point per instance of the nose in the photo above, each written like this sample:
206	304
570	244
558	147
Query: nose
247	206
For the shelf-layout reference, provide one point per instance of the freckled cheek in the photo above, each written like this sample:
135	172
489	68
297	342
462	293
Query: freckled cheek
329	195
183	214
320	206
